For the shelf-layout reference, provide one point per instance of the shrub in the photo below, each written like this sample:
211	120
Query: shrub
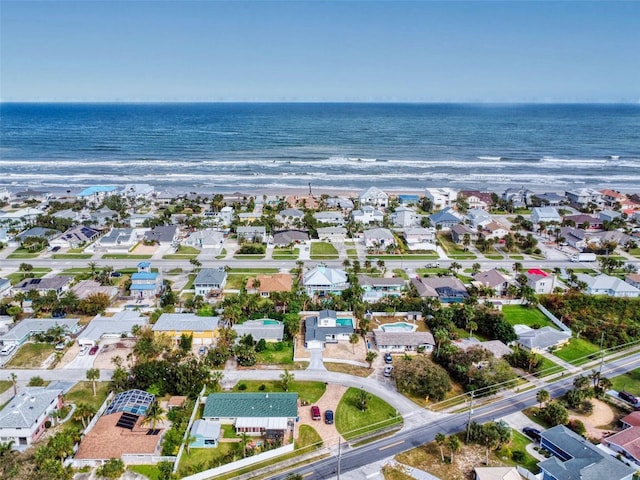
36	382
577	426
262	387
242	387
518	456
47	424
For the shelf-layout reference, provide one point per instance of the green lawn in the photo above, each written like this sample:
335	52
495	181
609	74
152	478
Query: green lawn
323	251
17	277
352	253
285	253
249	256
75	271
253	270
82	392
125	256
453	249
203	458
398	272
5	385
271	356
149	471
629	382
577	350
307	391
307	437
71	256
635	252
351	422
518	443
406	256
522	315
549	367
222	254
234	282
183	253
432	271
31	355
22	253
494	257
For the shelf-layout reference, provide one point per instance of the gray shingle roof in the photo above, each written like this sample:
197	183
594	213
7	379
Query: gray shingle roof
184	322
315	332
412	339
24	409
234	405
259	330
587	462
210	276
541	338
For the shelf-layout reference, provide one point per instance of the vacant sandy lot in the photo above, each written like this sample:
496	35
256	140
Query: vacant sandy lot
119	348
340	350
602	415
142	249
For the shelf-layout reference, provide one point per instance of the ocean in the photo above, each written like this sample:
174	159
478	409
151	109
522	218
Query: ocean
249	146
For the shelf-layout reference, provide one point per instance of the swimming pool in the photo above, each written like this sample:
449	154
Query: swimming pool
344	322
270	322
399	327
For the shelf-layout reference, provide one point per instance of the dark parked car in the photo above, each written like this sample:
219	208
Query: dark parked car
116	274
388	358
55	249
315	412
532	433
94	350
328	417
628	397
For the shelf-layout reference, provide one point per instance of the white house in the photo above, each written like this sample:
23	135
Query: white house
332	233
204	239
327	326
378	238
374	196
405	217
122	323
441	197
607	285
323	280
210	281
545	214
495	230
121	239
583	196
330	218
478	217
419	238
96	194
138	191
541	281
367	215
23	419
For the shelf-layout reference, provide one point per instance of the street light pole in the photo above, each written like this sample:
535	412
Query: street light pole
339	455
470	413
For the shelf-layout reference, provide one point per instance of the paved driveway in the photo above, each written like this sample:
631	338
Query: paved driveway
315	362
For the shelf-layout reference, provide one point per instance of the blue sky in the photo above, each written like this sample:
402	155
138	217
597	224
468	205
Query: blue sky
320	51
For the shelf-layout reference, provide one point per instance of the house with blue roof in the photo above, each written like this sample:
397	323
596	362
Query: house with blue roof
145	284
445	218
96	194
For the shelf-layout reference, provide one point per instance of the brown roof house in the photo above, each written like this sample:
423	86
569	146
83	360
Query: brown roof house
627	442
120	433
267	284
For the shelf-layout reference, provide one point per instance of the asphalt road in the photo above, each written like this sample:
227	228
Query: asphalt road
352	458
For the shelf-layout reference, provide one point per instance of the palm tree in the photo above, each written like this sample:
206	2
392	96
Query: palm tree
153	415
542	396
187	445
371	356
83	412
285	379
472	326
453	442
14	379
353	340
244	439
440	440
93	374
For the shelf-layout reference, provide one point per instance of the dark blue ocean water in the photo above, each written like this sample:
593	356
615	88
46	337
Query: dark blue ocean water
393	146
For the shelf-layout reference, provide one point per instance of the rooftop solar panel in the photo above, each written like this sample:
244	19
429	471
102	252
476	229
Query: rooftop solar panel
127	420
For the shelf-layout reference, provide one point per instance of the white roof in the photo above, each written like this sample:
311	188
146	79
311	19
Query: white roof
185	322
121	322
29	326
606	282
268	423
322	275
23	410
205	428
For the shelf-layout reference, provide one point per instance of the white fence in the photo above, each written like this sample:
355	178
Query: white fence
245	462
554	319
100	411
145	459
524	473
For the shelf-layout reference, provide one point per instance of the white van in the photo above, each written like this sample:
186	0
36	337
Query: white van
7	349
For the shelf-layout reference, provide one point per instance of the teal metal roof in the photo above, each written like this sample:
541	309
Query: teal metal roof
234	405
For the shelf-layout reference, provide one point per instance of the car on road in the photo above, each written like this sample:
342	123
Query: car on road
94	350
532	433
388	358
116	274
328	417
315	413
7	349
83	350
387	371
55	249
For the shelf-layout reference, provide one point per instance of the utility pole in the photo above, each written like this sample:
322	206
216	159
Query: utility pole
601	353
339	455
470	414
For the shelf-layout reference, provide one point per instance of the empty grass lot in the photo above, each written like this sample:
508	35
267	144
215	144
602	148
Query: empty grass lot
31	355
22	253
285	253
629	382
352	422
5	385
271	356
453	249
71	256
522	315
150	471
577	351
125	256
323	251
183	252
549	367
82	392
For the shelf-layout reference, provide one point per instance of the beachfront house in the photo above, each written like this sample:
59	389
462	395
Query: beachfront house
441	197
582	197
477	199
518	197
138	191
373	196
96	194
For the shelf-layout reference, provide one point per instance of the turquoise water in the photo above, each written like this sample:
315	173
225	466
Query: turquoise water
270	322
400	326
344	322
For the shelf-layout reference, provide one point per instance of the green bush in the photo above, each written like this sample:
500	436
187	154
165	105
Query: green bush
518	456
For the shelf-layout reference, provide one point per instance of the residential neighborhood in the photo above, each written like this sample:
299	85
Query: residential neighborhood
203	334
